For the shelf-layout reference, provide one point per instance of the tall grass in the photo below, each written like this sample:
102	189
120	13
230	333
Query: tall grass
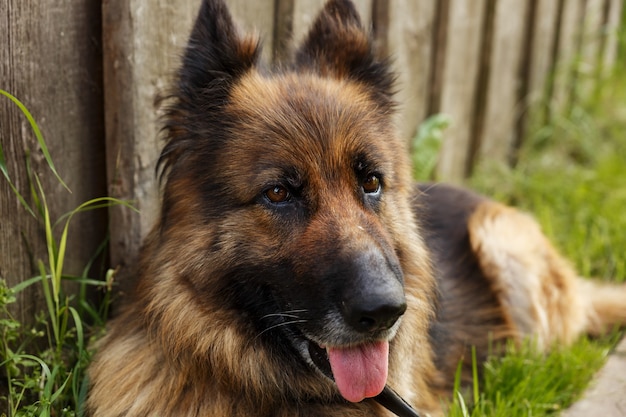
43	363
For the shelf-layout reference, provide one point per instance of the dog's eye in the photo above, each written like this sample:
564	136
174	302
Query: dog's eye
371	184
278	194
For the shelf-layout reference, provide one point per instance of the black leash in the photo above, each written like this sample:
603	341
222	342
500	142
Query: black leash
395	403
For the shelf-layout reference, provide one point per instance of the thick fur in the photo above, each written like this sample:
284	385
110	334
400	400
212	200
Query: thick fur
287	196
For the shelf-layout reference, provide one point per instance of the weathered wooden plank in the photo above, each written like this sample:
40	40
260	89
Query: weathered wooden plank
567	50
409	41
440	37
50	59
142	42
502	89
591	47
544	33
365	9
610	43
459	84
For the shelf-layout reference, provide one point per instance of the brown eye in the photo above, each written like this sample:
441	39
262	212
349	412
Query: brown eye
278	194
371	184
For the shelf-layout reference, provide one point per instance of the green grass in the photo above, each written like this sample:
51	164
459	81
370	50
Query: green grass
527	383
571	176
43	363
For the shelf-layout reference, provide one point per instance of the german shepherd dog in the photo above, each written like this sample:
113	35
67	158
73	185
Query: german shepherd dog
296	270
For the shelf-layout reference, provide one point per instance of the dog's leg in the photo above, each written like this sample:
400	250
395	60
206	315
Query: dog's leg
538	288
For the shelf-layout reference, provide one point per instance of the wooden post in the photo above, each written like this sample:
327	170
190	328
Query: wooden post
50	59
542	47
409	42
459	83
590	60
611	26
502	106
142	45
567	47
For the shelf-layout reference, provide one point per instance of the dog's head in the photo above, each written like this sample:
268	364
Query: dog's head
287	195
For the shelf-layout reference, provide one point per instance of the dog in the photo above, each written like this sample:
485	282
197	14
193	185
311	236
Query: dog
297	270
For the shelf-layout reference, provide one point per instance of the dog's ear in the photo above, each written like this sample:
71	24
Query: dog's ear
216	56
216	50
338	46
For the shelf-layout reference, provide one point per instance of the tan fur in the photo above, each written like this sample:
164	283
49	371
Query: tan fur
538	288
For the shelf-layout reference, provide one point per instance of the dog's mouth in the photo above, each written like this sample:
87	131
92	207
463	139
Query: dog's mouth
358	371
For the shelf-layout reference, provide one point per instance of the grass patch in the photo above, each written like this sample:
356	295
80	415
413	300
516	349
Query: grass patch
526	383
43	363
571	176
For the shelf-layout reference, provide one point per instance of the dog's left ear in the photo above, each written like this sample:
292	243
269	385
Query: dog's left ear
338	46
217	53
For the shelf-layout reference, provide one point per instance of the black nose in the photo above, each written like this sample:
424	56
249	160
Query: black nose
375	312
372	291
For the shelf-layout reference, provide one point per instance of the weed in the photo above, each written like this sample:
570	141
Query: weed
426	146
44	363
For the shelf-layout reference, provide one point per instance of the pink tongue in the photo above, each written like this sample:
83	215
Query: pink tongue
360	372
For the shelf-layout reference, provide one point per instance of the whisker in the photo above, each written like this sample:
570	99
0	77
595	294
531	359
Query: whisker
288	313
294	316
285	323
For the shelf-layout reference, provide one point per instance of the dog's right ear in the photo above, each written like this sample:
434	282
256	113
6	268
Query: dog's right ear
216	51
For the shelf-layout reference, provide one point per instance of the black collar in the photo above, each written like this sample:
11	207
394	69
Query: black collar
395	403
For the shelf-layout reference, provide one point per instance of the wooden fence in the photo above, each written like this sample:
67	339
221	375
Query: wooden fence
89	72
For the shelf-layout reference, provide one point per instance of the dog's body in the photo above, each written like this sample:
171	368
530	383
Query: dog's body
293	248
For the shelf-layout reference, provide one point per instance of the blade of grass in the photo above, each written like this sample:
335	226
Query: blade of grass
49	302
38	135
5	172
51	246
78	325
57	267
94	205
475	375
44	366
20	286
81	395
51	394
34	195
461	402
